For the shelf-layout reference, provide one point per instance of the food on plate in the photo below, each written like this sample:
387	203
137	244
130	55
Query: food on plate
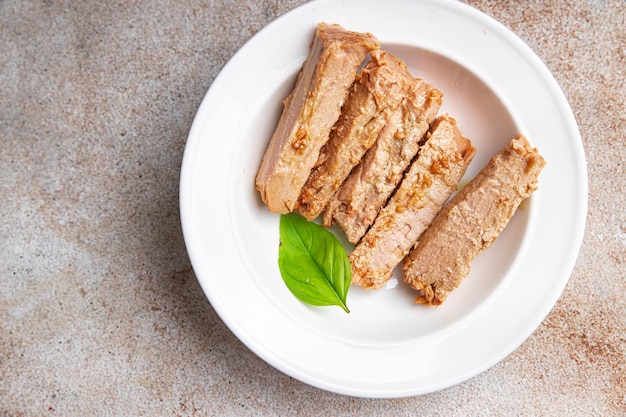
361	142
471	221
375	95
359	199
432	178
310	112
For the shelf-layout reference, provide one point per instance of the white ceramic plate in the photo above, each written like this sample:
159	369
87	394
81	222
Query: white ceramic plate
496	87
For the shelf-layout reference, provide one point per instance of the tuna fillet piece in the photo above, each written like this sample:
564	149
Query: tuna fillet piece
366	190
376	93
310	112
431	179
471	221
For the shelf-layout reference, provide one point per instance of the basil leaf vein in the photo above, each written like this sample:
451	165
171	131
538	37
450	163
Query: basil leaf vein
313	263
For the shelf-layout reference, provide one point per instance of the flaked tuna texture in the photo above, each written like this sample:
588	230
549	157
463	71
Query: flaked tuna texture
377	92
471	222
368	187
310	112
429	182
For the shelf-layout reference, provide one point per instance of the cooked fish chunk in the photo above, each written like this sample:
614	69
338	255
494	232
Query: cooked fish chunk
471	221
429	182
359	199
310	112
376	93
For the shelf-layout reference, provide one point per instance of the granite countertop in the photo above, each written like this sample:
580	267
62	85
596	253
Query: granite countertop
100	311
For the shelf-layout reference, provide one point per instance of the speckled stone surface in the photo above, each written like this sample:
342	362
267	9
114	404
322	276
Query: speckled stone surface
100	311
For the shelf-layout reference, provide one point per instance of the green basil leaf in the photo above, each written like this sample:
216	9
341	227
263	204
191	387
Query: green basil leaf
313	263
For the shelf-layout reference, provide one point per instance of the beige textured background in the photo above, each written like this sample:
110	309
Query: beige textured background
100	312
